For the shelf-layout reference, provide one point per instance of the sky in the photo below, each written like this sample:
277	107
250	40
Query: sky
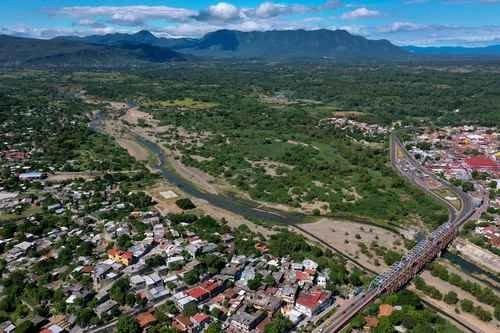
403	22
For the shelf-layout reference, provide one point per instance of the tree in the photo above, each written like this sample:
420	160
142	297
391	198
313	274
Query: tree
84	317
467	187
269	280
185	204
451	297
467	305
127	324
280	324
254	283
390	257
124	242
355	278
119	291
25	327
191	277
214	328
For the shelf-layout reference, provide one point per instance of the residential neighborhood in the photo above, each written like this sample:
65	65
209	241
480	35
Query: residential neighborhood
86	254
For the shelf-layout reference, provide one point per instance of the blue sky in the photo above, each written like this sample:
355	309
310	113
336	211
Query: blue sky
404	22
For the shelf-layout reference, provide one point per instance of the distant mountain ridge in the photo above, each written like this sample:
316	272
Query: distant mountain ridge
16	51
337	44
493	51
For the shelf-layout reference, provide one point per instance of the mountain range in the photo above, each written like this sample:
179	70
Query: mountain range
15	51
338	44
119	49
144	47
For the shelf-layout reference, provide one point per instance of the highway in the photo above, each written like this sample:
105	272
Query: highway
402	272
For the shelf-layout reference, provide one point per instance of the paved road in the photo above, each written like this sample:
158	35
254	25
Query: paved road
402	272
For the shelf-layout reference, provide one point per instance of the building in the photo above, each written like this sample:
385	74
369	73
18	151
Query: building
105	308
145	320
31	176
481	163
385	310
199	321
119	256
245	321
313	303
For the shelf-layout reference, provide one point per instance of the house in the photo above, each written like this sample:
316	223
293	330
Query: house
7	327
198	293
158	232
145	319
313	303
100	272
181	323
137	282
31	176
54	328
231	271
199	321
322	281
385	310
371	322
182	300
309	265
193	249
105	308
213	286
287	293
262	248
175	260
268	303
247	275
303	278
227	238
119	256
245	321
153	280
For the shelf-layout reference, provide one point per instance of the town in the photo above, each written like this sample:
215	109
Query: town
467	156
82	253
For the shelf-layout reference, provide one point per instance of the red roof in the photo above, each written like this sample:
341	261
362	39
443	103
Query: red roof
123	254
481	162
113	251
127	255
209	285
302	276
200	318
197	292
145	319
311	300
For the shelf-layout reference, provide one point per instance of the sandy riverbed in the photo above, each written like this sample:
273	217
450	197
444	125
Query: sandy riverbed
336	232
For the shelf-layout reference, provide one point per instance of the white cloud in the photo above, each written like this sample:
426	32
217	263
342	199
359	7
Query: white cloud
270	9
360	13
399	27
222	11
89	23
127	12
409	33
